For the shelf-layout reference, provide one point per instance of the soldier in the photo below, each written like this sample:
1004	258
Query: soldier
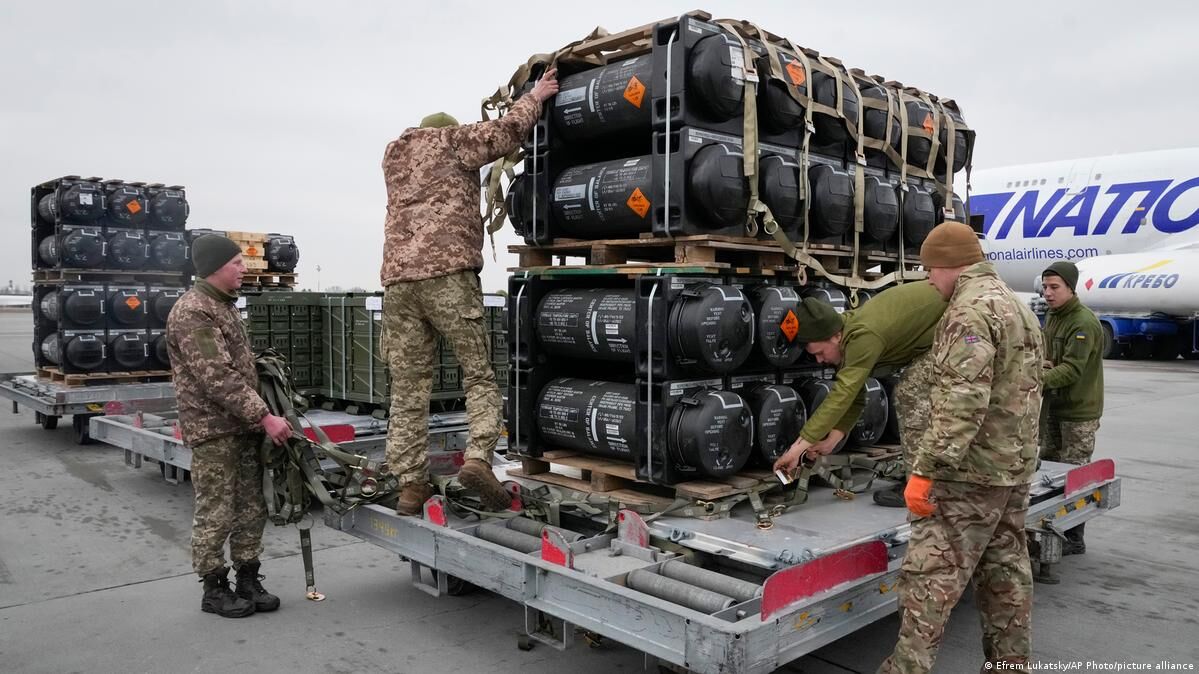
893	330
1073	383
222	419
969	487
432	254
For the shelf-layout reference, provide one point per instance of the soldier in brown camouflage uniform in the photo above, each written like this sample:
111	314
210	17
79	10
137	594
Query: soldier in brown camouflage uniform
222	419
969	487
432	254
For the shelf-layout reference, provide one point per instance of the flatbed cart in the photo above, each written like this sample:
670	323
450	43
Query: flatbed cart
153	436
51	401
706	596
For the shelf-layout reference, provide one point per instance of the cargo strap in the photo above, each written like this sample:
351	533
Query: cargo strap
749	136
292	472
848	474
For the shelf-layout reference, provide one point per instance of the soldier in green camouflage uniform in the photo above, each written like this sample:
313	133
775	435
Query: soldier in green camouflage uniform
432	255
1073	384
969	487
222	420
893	330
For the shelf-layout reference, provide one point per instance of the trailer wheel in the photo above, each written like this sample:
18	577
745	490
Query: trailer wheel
524	642
1165	348
47	421
83	434
1111	349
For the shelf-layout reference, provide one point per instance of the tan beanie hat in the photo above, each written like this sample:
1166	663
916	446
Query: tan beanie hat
951	244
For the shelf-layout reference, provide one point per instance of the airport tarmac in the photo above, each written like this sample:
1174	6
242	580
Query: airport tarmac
95	572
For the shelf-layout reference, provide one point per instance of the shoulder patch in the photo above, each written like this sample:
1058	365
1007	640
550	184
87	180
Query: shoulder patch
1080	336
972	339
206	341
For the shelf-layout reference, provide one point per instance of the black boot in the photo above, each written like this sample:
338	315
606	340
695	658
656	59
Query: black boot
219	599
1074	543
893	497
249	586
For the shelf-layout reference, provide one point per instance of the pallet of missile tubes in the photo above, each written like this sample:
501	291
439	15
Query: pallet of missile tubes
647	156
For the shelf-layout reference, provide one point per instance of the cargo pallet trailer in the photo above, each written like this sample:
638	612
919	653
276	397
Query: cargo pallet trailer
147	436
52	400
824	570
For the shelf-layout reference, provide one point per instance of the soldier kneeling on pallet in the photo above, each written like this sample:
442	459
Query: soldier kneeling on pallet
432	255
222	419
894	330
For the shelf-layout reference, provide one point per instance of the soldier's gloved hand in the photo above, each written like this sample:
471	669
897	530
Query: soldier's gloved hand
918	494
277	428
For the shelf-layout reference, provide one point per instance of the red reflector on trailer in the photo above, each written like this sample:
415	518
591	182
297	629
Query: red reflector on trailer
1089	475
788	586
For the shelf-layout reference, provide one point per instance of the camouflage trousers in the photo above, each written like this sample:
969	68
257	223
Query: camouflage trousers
227	479
913	404
414	312
1068	441
975	536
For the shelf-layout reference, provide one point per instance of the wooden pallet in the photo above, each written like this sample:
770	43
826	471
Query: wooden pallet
600	475
618	46
618	479
57	376
268	280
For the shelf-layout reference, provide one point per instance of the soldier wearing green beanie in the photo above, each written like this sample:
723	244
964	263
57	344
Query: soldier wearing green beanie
222	419
1073	380
893	330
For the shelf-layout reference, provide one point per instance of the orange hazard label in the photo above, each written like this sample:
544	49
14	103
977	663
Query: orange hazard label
634	92
790	325
133	303
796	73
133	206
251	251
638	202
928	122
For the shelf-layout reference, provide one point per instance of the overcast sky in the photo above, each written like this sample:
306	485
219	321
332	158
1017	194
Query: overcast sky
275	115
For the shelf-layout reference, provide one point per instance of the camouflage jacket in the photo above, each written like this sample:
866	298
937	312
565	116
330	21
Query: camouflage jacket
434	226
986	396
216	383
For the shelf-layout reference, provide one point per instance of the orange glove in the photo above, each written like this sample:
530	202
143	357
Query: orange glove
917	494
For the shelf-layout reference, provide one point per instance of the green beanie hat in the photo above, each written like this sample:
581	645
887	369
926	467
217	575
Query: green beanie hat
211	251
438	120
817	320
1064	269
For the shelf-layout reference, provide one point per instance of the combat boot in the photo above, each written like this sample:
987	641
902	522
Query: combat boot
412	498
219	599
249	587
891	498
1074	543
476	476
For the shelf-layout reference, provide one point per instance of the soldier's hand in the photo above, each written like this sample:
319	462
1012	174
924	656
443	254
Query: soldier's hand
547	86
790	459
918	496
277	429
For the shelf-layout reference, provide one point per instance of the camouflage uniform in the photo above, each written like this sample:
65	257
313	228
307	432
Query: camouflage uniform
432	254
1068	441
913	404
219	414
980	452
413	314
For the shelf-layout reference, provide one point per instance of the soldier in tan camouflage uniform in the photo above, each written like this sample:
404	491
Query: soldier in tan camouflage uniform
969	487
222	419
432	254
